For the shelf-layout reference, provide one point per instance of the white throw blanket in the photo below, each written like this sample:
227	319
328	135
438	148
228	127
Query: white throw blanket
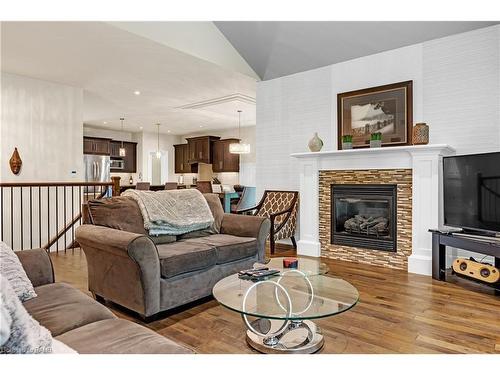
172	212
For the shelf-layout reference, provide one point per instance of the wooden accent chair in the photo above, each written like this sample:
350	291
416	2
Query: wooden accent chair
281	208
204	186
142	186
170	185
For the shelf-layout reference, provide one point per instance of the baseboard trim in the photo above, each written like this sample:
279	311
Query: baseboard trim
420	264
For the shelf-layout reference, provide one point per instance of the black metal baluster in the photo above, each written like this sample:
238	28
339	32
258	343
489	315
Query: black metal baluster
39	216
31	217
65	221
48	217
1	213
80	202
73	216
12	217
57	219
22	221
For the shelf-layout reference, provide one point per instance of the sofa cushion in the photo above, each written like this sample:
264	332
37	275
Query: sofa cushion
228	248
121	213
215	205
59	307
118	336
182	256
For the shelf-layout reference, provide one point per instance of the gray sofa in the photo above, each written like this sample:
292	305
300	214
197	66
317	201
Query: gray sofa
82	323
129	269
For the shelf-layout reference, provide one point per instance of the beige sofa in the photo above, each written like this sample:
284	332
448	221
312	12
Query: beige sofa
82	323
127	267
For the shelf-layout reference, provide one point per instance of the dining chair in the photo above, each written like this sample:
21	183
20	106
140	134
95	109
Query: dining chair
142	186
247	200
170	185
204	186
281	208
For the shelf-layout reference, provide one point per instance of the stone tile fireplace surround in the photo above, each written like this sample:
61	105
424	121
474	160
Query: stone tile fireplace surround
417	172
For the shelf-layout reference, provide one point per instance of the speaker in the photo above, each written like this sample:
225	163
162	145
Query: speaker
475	270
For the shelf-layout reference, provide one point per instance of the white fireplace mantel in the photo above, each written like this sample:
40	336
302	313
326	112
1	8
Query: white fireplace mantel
426	164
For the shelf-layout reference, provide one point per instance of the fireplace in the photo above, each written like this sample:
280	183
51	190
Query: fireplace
364	215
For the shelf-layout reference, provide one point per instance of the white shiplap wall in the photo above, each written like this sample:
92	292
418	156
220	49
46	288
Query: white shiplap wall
456	90
462	90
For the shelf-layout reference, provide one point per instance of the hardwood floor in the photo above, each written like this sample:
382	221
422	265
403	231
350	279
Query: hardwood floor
397	313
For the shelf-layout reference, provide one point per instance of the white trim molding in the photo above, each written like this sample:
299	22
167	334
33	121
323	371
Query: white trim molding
426	164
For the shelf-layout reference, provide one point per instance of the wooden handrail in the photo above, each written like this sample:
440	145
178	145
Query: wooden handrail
51	184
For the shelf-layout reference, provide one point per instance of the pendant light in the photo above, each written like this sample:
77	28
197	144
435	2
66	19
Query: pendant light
158	153
121	150
239	148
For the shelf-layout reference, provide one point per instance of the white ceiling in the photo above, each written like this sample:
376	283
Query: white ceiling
110	63
276	49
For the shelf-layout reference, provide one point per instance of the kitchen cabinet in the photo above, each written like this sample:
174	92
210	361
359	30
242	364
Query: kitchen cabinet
223	160
181	157
115	149
200	149
130	158
96	146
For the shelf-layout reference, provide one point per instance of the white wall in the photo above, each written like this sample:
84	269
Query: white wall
44	121
456	90
247	173
149	143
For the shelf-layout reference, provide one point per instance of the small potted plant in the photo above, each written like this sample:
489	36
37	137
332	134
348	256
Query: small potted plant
376	140
347	142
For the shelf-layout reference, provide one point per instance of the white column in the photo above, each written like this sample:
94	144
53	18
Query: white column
309	209
427	206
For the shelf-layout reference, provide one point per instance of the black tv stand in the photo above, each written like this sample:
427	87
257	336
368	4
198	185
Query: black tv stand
485	245
481	233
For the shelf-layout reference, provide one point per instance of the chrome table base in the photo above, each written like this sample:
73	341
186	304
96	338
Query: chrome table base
297	337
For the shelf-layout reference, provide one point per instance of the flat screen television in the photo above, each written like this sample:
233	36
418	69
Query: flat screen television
472	192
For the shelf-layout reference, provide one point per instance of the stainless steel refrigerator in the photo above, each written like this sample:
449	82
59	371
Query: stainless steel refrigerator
97	169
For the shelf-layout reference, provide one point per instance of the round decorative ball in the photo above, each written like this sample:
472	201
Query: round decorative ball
315	143
421	134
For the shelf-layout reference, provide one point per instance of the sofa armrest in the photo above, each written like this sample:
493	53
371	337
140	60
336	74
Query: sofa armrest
248	226
37	265
123	267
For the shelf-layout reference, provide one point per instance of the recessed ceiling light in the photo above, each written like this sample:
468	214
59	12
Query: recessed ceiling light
168	131
136	92
104	122
201	126
141	127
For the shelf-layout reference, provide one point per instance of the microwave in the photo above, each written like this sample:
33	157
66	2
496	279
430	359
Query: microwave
117	164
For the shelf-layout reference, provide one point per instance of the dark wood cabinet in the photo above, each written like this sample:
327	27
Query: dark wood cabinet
209	150
96	146
115	149
223	160
200	149
130	158
181	158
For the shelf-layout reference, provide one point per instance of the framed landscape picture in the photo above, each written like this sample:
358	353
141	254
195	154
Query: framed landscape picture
384	109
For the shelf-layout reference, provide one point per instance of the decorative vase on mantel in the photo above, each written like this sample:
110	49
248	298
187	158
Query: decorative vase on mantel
315	143
420	134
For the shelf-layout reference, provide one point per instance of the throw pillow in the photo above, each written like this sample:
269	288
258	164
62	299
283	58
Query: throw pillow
215	205
12	269
26	335
122	213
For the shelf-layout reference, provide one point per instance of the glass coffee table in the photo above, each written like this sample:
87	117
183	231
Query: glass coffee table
279	310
